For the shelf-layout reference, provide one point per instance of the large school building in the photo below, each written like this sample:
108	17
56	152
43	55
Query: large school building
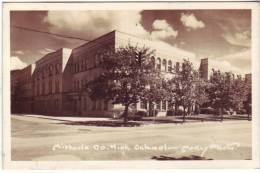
54	85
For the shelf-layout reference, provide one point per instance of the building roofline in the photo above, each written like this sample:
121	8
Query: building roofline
45	56
95	39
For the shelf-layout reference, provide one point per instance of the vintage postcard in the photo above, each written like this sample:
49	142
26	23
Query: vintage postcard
131	85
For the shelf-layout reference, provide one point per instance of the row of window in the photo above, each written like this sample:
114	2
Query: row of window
50	70
80	66
43	90
79	84
160	105
85	64
164	65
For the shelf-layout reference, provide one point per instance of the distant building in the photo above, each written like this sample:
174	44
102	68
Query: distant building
55	84
204	68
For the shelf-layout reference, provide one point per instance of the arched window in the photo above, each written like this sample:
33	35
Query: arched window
164	65
96	60
101	56
43	73
169	65
82	65
177	66
79	64
158	63
153	61
58	68
57	86
50	70
50	86
86	64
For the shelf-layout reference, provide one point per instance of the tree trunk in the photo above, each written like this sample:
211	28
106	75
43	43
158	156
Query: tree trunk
197	109
175	109
189	110
184	114
221	114
125	114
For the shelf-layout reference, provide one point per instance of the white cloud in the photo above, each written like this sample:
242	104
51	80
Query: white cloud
191	22
91	24
163	30
238	56
16	63
238	38
238	63
226	66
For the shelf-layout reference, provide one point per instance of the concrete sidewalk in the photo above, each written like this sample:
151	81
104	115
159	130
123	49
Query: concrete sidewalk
72	119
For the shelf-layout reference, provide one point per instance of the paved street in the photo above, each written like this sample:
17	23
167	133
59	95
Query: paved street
38	138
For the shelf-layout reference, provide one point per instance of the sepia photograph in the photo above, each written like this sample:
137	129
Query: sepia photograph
131	84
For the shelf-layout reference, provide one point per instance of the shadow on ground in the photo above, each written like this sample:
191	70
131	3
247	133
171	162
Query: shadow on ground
104	123
192	157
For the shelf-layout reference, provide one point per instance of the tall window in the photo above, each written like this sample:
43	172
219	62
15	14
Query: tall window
143	104
50	86
164	65
82	83
169	66
82	65
38	75
158	63
57	69
76	67
177	66
158	105
94	105
96	60
57	86
75	85
101	57
79	84
50	70
79	67
43	75
38	90
86	64
153	61
43	88
99	105
105	105
85	103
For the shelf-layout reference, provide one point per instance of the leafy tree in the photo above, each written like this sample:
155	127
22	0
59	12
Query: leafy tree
155	92
182	87
127	73
201	93
220	92
238	93
248	98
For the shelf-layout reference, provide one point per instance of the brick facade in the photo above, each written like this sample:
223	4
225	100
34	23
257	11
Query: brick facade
54	85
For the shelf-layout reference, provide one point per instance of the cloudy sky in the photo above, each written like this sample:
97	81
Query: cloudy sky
223	36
